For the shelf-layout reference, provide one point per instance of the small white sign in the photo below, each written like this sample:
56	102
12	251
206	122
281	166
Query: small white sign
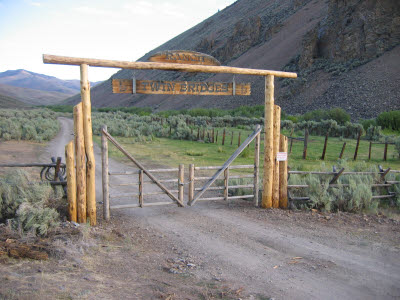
281	156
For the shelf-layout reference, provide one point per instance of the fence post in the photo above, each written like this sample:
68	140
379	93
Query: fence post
256	168
90	164
385	151
342	152
71	181
191	183
268	142
283	174
216	137
325	145
141	182
223	138
104	173
80	163
370	149
239	138
213	136
305	144
358	144
181	182
232	139
226	184
277	133
198	133
57	169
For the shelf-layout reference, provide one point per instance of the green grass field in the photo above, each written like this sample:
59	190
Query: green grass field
170	152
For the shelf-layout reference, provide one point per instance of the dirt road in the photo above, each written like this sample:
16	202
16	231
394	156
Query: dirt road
270	253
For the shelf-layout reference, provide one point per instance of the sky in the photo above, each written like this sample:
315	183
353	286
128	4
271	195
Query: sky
104	29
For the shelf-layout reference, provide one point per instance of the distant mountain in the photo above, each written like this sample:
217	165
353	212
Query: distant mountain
347	54
37	89
8	102
31	96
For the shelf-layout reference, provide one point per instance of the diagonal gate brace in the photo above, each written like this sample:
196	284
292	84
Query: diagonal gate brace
227	164
140	166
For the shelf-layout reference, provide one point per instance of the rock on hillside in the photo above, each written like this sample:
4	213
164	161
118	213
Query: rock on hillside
345	52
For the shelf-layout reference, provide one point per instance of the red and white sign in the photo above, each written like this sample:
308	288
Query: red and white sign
281	156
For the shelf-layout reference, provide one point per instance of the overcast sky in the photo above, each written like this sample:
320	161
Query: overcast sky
108	29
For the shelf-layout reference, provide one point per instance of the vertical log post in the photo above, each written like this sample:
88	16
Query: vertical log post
216	137
80	156
277	134
104	175
213	136
141	182
291	140
283	174
358	144
305	144
385	151
71	181
239	138
87	129
232	139
181	182
325	145
57	169
256	168
342	152
268	143
369	150
226	184
223	137
191	183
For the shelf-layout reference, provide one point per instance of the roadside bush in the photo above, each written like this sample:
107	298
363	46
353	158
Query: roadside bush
27	207
36	124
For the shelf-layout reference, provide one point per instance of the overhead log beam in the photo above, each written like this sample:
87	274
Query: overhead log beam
65	60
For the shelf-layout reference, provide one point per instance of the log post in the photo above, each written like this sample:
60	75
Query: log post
268	142
71	181
232	139
369	150
277	134
181	182
216	137
80	156
283	174
104	175
358	144
57	169
191	183
226	184
305	144
141	188
239	138
87	130
342	152
256	168
325	145
385	151
213	136
223	137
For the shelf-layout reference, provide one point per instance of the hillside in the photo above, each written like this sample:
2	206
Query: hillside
8	102
347	54
31	96
37	89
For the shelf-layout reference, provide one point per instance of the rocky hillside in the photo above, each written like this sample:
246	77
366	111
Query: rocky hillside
347	54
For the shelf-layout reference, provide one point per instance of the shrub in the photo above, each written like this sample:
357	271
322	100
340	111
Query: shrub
27	206
389	120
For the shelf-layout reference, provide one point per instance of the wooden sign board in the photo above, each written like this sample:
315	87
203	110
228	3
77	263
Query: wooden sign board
125	86
184	57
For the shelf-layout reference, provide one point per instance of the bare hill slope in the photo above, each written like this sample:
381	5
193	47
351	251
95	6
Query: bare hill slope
8	102
346	54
